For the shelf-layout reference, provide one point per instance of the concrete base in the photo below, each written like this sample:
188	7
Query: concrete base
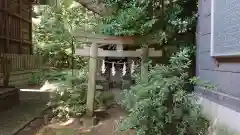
224	115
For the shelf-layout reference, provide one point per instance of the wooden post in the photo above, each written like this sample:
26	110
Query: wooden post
19	27
6	45
144	64
99	64
92	79
119	47
5	63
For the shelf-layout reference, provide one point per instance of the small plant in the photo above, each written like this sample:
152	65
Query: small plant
42	75
104	99
36	78
164	105
70	97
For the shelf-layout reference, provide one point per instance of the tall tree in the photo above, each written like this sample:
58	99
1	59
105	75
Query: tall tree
54	38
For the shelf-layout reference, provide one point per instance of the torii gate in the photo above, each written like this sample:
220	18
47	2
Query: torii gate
93	52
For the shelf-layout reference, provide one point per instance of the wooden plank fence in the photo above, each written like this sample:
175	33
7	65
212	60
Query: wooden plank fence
21	62
20	67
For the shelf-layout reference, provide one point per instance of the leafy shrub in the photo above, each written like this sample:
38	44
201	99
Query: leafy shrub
163	106
36	78
104	99
48	74
70	98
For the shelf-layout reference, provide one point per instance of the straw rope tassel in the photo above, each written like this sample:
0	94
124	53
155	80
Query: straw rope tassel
124	70
113	69
103	68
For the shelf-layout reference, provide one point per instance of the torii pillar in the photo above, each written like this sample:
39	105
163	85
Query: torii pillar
92	79
144	64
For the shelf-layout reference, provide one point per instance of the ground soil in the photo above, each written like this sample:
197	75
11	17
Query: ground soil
33	127
108	125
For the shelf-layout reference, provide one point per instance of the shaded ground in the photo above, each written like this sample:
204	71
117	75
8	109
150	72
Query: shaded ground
31	105
33	127
28	116
108	125
15	118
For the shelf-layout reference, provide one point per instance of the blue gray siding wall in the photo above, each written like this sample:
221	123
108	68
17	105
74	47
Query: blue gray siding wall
226	75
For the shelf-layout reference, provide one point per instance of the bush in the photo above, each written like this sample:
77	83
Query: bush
36	78
163	106
70	98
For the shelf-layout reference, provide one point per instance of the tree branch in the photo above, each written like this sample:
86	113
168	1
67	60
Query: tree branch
96	7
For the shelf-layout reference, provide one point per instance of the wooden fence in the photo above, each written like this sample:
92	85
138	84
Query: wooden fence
19	67
16	26
22	62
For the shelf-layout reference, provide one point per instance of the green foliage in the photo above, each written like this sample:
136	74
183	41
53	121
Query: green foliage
163	106
53	74
70	97
54	38
57	75
69	100
149	17
104	99
36	78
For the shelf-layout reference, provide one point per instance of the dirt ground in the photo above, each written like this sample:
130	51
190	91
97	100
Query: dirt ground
108	125
33	127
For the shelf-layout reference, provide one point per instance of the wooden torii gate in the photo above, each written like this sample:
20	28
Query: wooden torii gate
93	52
